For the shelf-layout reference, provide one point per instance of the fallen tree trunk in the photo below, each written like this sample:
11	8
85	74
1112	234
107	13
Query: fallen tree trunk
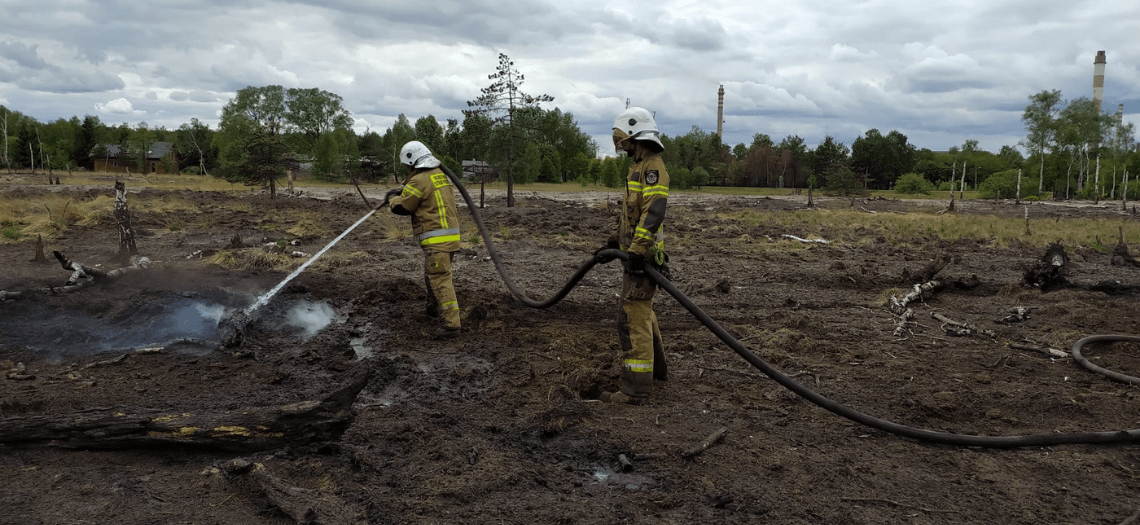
248	429
83	275
307	506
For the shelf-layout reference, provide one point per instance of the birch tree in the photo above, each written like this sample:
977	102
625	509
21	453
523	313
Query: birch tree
1040	118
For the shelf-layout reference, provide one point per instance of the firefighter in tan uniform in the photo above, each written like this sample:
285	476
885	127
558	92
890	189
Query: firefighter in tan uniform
640	234
428	197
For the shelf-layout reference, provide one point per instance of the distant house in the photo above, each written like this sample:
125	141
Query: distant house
111	158
478	170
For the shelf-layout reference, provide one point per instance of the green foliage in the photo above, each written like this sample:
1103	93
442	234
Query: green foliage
913	184
680	179
700	177
262	161
326	158
11	231
614	171
841	180
1001	185
882	159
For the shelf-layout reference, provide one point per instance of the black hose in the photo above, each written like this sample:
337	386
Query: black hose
495	258
1032	440
1117	376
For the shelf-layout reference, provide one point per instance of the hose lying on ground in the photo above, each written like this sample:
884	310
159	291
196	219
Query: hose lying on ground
1117	376
1032	440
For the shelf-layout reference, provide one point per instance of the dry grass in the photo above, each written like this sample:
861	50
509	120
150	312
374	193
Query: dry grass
308	226
333	261
254	259
897	228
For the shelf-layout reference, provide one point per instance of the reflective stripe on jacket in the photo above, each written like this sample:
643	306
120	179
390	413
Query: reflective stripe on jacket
643	211
429	198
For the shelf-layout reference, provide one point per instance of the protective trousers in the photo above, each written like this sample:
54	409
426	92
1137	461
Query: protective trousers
440	288
643	355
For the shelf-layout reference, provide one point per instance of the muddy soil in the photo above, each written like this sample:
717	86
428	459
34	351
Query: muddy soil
502	424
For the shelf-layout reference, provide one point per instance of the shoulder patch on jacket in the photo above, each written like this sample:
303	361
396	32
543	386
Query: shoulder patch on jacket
651	176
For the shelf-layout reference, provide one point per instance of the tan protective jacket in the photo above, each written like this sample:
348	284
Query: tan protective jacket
429	198
646	194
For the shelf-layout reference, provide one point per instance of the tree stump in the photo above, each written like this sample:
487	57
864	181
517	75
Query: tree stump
122	215
1050	270
40	257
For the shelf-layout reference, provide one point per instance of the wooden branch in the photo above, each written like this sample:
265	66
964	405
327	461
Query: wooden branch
1051	352
921	291
958	328
243	430
905	318
704	445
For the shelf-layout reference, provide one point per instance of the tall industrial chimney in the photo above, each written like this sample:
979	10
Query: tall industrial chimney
1098	79
720	112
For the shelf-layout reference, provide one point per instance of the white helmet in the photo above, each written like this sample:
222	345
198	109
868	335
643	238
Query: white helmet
637	124
416	155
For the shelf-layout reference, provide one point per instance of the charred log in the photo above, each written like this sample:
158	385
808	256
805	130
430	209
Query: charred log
1050	270
244	430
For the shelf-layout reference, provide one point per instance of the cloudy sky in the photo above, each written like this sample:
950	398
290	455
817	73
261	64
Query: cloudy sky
939	72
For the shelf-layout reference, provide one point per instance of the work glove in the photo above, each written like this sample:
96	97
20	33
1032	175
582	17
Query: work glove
388	197
636	264
603	259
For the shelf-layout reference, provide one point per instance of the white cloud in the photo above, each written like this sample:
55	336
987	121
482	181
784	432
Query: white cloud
119	106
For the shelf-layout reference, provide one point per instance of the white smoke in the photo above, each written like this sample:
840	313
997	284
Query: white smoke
310	317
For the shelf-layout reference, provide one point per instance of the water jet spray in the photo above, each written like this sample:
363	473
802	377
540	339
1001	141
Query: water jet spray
232	328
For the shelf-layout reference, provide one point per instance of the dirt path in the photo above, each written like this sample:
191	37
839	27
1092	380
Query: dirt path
501	426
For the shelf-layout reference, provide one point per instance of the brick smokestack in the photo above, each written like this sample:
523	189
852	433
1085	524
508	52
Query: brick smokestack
1098	79
720	112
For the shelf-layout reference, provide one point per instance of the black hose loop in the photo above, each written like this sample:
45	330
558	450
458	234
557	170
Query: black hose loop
498	260
1116	376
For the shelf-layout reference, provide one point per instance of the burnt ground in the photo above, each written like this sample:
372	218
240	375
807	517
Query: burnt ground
500	426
